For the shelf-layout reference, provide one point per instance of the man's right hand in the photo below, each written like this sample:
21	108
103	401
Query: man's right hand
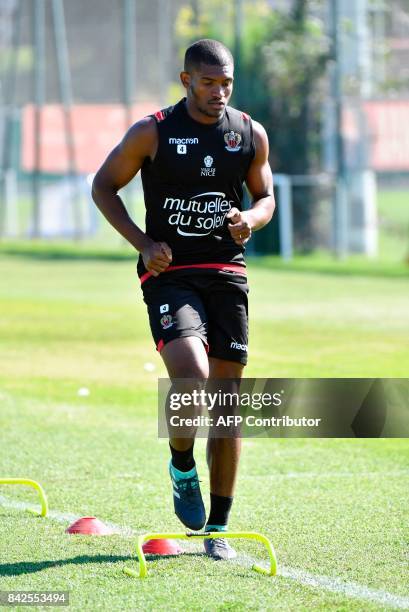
156	257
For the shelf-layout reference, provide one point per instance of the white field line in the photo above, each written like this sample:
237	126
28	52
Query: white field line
351	590
63	517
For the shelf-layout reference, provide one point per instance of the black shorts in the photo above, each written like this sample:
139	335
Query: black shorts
210	304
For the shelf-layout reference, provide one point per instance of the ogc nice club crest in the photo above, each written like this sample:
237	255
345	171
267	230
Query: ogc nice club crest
166	321
232	140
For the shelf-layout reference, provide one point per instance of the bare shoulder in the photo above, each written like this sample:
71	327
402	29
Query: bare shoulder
141	138
260	139
145	127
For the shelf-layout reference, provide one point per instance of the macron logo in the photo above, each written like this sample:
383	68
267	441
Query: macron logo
239	347
183	141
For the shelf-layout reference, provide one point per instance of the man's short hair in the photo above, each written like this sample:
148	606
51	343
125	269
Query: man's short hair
207	51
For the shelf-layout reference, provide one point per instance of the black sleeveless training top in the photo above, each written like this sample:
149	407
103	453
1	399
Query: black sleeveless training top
196	177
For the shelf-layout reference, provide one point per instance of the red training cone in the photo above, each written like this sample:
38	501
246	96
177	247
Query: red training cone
89	525
161	547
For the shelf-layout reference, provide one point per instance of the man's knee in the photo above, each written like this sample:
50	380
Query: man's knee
221	368
186	358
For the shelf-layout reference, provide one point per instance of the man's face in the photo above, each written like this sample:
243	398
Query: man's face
209	88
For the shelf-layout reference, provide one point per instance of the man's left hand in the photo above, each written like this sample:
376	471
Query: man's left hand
239	226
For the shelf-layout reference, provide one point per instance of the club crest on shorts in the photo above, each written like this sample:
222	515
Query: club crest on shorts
166	321
232	140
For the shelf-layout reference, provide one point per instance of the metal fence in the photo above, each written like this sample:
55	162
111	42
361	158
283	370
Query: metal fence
102	52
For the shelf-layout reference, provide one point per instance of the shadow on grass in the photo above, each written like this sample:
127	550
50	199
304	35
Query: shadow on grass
184	554
31	567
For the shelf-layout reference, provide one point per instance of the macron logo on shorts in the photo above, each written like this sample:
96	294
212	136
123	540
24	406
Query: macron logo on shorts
239	347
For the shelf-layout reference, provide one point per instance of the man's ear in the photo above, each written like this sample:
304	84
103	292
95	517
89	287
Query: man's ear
185	79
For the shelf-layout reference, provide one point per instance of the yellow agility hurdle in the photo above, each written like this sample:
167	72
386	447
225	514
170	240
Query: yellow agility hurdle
143	570
35	485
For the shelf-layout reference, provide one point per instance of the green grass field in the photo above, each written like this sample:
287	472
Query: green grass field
336	510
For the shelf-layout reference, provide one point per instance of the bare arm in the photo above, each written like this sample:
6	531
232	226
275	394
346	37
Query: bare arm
260	184
121	165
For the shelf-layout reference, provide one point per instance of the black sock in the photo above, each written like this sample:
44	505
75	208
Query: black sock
219	510
182	460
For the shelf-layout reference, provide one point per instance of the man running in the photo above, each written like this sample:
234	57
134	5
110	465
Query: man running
194	158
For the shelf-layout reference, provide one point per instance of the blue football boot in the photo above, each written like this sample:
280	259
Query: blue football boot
187	499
